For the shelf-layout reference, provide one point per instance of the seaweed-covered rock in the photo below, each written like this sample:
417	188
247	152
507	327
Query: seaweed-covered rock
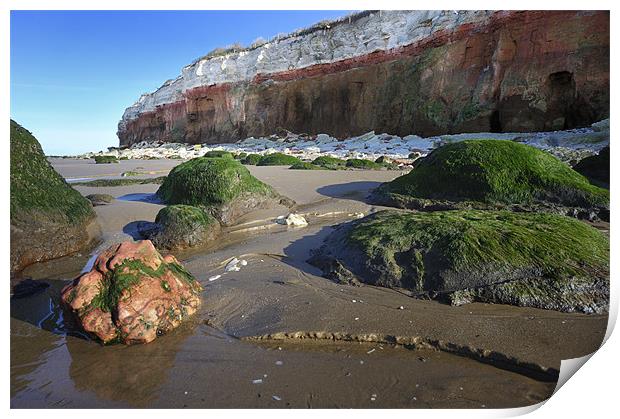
526	259
222	186
100	199
132	294
105	159
596	168
251	159
278	159
181	226
306	166
49	218
491	172
329	162
364	164
219	153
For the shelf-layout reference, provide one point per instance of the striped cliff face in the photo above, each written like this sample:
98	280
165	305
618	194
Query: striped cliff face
399	72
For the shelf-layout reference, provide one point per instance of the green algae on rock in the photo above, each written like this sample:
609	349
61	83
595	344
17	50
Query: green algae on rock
105	159
120	182
182	226
222	186
100	199
491	172
526	259
219	153
132	294
49	218
363	164
306	166
328	162
251	159
277	159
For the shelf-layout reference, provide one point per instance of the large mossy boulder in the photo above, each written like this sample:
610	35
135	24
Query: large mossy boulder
491	172
182	226
596	168
221	186
132	294
49	218
526	259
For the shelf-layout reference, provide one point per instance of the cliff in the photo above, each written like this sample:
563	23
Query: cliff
399	72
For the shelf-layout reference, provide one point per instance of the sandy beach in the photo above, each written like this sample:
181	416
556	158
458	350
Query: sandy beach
276	333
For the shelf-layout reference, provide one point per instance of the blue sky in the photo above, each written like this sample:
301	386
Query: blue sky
73	73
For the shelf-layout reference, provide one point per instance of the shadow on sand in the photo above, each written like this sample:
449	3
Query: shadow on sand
354	191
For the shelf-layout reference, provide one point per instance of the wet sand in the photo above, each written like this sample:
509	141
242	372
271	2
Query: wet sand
277	317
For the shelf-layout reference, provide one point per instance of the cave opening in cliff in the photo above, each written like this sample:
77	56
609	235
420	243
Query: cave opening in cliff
563	106
494	122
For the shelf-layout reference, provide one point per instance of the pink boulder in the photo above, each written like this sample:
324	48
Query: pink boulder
132	294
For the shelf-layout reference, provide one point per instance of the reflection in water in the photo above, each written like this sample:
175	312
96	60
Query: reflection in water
52	361
132	374
149	198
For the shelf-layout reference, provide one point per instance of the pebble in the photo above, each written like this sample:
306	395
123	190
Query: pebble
401	308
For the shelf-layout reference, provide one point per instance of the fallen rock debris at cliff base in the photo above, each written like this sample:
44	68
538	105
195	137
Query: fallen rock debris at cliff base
568	145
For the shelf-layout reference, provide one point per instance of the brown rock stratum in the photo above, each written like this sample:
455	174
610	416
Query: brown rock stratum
514	71
132	294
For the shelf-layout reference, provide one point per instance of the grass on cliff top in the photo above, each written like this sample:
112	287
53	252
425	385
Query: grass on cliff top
278	159
422	244
37	187
210	181
497	171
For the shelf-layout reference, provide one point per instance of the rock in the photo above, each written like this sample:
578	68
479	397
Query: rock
601	126
278	159
221	186
596	168
305	166
100	199
294	220
251	159
49	218
490	172
105	159
525	259
132	294
182	226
